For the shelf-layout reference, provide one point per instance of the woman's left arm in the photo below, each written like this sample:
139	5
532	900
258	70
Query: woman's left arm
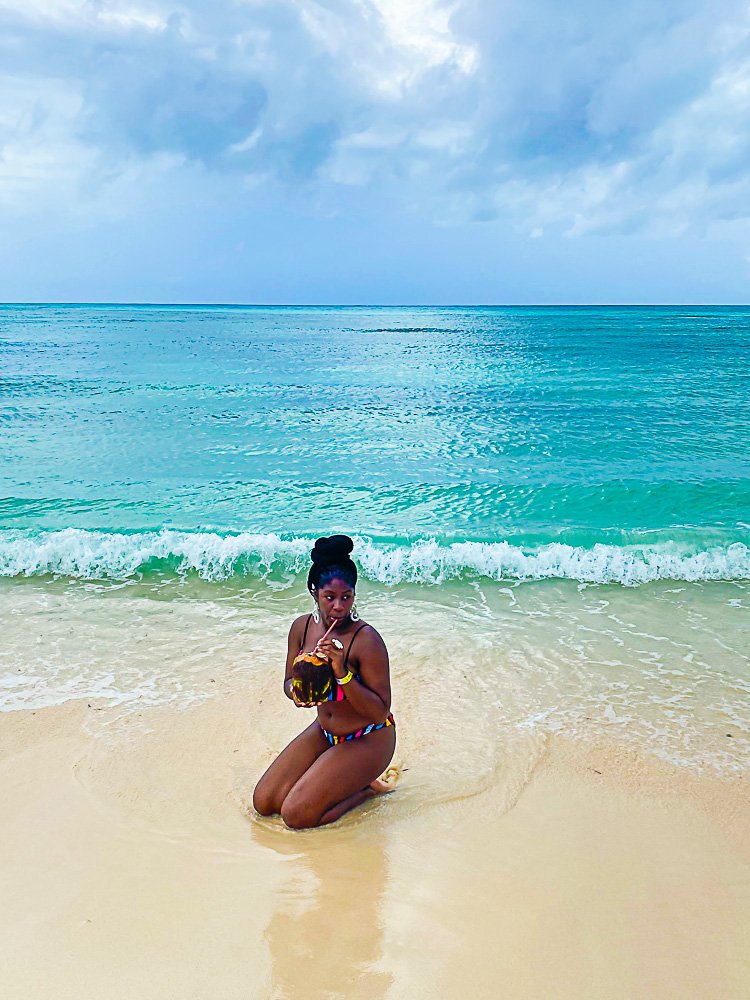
370	696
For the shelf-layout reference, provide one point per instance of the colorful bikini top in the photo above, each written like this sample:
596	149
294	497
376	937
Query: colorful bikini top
338	693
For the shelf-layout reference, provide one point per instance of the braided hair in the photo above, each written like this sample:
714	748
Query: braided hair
331	561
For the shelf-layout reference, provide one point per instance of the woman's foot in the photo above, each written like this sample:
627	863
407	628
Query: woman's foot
381	786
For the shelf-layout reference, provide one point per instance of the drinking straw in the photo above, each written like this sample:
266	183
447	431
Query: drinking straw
330	629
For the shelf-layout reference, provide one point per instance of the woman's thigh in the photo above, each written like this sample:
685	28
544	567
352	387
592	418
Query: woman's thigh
288	768
344	769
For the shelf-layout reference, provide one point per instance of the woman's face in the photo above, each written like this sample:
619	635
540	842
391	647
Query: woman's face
335	600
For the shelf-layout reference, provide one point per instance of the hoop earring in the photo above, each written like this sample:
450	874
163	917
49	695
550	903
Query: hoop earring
354	614
316	612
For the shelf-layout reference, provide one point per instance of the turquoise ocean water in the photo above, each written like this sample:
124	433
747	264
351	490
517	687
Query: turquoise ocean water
592	443
558	455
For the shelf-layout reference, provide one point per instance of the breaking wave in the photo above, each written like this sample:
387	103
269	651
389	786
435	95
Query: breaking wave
98	555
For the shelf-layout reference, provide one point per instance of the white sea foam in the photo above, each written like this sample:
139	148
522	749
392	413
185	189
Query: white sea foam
96	555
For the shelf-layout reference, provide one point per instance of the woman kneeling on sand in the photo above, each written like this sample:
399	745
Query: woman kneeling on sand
334	764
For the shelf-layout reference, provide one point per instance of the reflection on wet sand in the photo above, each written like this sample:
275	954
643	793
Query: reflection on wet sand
320	947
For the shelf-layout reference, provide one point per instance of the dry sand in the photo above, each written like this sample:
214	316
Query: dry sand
131	866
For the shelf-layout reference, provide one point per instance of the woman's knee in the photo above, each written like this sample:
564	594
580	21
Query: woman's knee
266	799
299	813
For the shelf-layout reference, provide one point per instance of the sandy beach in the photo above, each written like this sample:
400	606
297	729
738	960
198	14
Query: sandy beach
133	865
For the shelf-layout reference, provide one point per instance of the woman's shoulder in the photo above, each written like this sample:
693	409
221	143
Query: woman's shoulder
298	624
365	627
368	635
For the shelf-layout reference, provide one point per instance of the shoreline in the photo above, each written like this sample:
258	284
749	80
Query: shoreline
133	865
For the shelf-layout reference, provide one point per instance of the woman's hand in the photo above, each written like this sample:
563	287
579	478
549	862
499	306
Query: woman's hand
304	704
333	651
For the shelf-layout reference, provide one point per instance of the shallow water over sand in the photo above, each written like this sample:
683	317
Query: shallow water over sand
480	672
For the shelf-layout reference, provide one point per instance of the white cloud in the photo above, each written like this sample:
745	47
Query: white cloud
577	118
422	29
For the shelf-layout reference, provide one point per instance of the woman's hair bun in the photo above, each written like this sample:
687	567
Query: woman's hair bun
332	550
330	559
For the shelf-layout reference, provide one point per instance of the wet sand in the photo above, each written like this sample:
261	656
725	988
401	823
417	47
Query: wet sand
132	865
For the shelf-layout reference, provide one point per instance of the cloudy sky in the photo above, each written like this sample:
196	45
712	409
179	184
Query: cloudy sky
394	151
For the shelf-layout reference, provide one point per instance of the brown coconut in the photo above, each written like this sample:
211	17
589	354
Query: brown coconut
312	678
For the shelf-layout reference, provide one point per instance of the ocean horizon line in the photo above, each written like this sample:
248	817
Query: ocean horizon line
372	305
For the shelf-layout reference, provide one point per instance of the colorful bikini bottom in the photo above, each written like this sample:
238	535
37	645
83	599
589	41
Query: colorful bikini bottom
372	728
